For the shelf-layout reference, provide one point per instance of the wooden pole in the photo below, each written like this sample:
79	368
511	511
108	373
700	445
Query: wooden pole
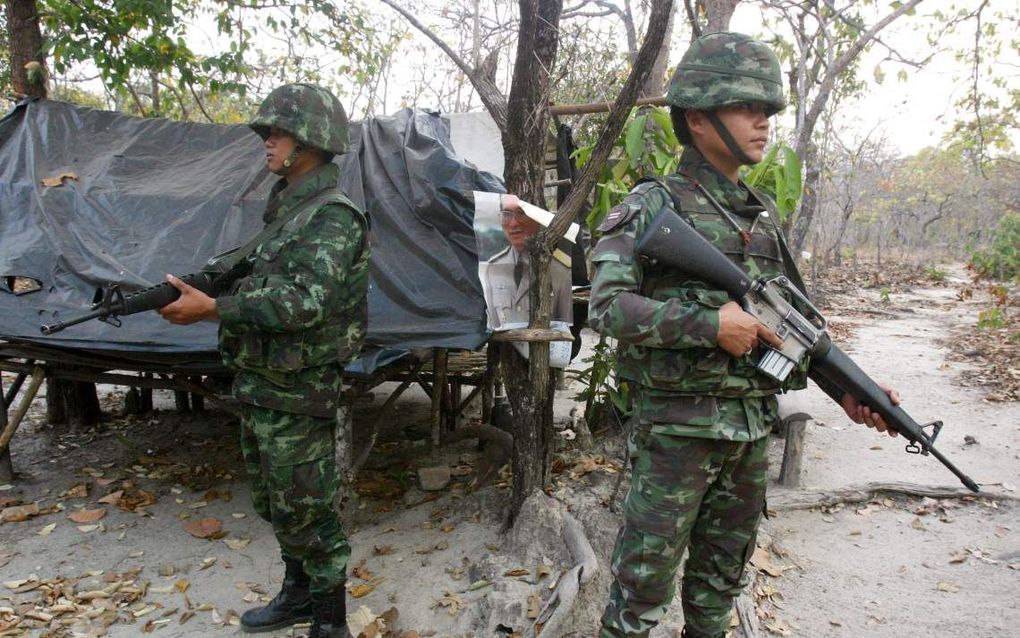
600	107
438	389
38	376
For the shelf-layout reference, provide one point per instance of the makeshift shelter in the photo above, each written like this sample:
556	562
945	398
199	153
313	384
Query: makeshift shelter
91	198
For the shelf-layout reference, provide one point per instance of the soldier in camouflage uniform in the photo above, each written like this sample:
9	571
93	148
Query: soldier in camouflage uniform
287	328
702	411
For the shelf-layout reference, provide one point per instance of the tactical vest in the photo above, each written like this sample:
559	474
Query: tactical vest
707	371
277	355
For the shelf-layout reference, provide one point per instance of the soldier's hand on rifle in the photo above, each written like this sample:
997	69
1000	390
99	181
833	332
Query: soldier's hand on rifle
860	413
193	304
740	332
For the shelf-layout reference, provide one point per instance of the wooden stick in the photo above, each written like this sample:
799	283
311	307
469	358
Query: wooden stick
438	386
531	334
384	411
38	376
783	499
600	107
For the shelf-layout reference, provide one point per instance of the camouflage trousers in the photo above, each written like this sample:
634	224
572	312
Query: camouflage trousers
292	468
707	494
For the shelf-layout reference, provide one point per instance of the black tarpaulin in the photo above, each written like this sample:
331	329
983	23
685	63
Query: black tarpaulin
149	196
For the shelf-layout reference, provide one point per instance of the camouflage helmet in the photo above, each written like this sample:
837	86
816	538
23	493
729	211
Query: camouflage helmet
720	69
310	113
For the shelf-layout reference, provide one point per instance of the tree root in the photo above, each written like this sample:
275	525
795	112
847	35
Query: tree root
556	610
499	446
786	500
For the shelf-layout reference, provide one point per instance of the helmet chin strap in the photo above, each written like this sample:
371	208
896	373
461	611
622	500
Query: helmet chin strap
727	138
287	163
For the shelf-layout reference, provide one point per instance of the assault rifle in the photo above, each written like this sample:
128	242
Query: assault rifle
671	242
213	279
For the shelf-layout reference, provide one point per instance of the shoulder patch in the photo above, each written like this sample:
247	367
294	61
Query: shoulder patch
618	216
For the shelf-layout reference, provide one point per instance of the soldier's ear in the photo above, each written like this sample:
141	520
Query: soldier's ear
697	122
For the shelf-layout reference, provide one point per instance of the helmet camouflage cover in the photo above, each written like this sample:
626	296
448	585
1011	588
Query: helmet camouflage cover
309	112
720	69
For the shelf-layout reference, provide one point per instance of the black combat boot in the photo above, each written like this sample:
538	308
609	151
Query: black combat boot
329	615
292	605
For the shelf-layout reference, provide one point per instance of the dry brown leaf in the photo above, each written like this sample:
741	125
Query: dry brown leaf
19	513
204	527
359	591
78	490
58	180
390	616
85	517
760	559
534	606
182	585
112	497
383	550
948	587
133	500
520	571
8	501
452	601
360	571
237	543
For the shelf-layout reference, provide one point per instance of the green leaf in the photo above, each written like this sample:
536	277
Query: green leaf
634	140
661	117
754	177
792	170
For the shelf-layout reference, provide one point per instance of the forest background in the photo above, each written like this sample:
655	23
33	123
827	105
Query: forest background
908	142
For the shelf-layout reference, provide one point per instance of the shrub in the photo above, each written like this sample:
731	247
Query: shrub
1001	260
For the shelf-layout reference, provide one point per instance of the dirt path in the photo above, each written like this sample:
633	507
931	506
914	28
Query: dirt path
898	566
890	567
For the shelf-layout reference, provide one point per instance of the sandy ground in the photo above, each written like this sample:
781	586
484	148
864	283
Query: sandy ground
889	566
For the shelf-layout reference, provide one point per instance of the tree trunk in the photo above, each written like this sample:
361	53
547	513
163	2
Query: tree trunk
529	383
71	402
718	14
655	84
26	48
801	223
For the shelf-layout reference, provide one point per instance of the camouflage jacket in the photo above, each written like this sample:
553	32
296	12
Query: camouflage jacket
667	324
300	314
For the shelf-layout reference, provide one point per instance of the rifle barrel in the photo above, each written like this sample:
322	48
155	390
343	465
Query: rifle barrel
60	325
839	369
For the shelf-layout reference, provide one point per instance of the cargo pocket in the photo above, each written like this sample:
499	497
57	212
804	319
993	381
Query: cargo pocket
299	440
285	351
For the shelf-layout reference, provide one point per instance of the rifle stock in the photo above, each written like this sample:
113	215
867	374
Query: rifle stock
672	242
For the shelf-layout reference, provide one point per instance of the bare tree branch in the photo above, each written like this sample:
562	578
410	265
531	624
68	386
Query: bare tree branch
585	181
198	101
493	99
692	19
843	61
